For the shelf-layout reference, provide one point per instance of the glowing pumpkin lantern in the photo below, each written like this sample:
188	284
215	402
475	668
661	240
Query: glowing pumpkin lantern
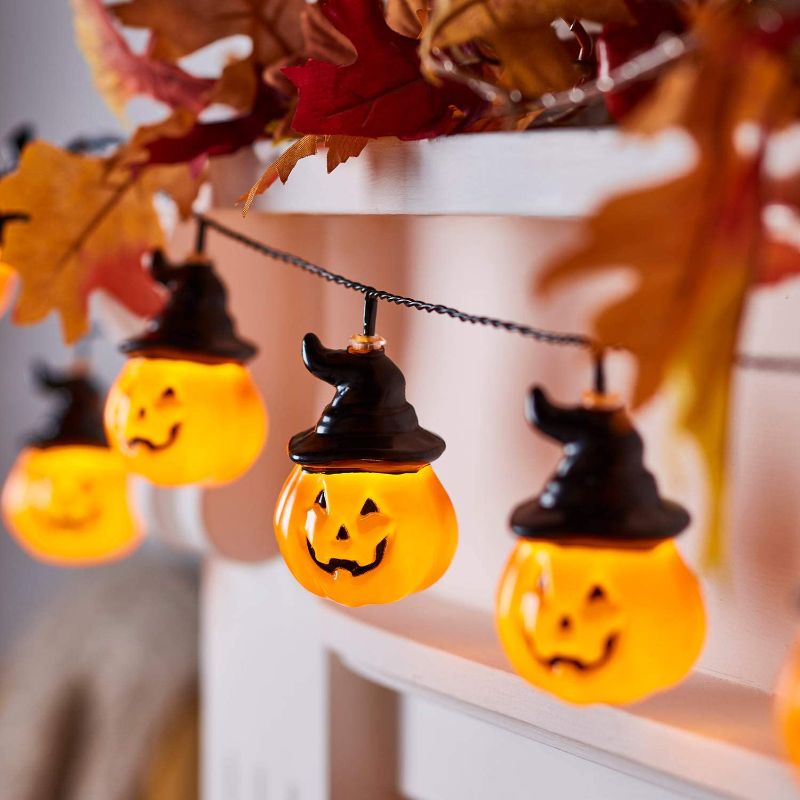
787	706
596	604
363	518
185	408
8	275
66	498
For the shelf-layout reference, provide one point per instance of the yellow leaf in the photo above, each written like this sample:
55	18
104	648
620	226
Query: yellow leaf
88	228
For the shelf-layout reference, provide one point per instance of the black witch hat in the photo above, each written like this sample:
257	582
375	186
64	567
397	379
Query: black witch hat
369	418
601	494
195	324
78	416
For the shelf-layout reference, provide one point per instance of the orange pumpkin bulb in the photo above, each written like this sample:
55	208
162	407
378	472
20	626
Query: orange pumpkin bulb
8	275
178	422
66	498
596	604
185	409
69	505
363	518
8	278
787	706
365	537
600	625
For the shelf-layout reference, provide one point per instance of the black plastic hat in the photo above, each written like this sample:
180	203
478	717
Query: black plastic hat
195	324
78	417
369	418
601	493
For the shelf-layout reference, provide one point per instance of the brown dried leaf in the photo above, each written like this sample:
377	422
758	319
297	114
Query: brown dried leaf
521	35
180	27
339	147
280	168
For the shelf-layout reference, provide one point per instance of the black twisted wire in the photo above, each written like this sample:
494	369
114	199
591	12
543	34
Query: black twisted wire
762	363
540	334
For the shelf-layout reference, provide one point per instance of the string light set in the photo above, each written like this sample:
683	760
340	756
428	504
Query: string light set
595	604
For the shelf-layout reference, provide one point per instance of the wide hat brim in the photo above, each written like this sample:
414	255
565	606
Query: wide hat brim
632	527
419	446
186	348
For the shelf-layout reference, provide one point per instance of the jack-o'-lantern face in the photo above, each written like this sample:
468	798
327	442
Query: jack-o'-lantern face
365	537
178	422
600	625
69	504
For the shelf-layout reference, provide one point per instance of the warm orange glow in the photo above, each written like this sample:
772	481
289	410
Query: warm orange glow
365	537
8	276
787	706
68	505
178	422
600	625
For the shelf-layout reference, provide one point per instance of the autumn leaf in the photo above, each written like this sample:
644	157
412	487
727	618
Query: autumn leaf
694	242
382	93
617	44
182	138
120	74
521	35
323	41
86	230
339	148
407	16
180	27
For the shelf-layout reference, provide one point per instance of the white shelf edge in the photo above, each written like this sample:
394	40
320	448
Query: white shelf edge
549	174
708	736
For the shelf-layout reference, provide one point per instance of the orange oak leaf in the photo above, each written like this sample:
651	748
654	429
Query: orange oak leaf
340	147
180	27
694	242
89	227
520	32
120	74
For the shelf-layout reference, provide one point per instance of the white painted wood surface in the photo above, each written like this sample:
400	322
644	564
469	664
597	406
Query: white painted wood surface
539	174
296	689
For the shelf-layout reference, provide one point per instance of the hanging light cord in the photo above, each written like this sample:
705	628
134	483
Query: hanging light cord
372	295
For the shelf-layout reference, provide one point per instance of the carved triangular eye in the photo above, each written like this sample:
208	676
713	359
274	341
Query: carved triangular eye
168	393
321	500
369	507
596	593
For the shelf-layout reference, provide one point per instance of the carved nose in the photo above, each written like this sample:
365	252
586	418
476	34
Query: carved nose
141	414
342	535
565	623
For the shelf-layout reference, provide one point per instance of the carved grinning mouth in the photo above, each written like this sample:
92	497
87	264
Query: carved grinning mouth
353	567
69	523
173	435
582	666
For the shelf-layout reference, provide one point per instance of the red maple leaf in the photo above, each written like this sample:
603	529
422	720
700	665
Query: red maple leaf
214	138
383	92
